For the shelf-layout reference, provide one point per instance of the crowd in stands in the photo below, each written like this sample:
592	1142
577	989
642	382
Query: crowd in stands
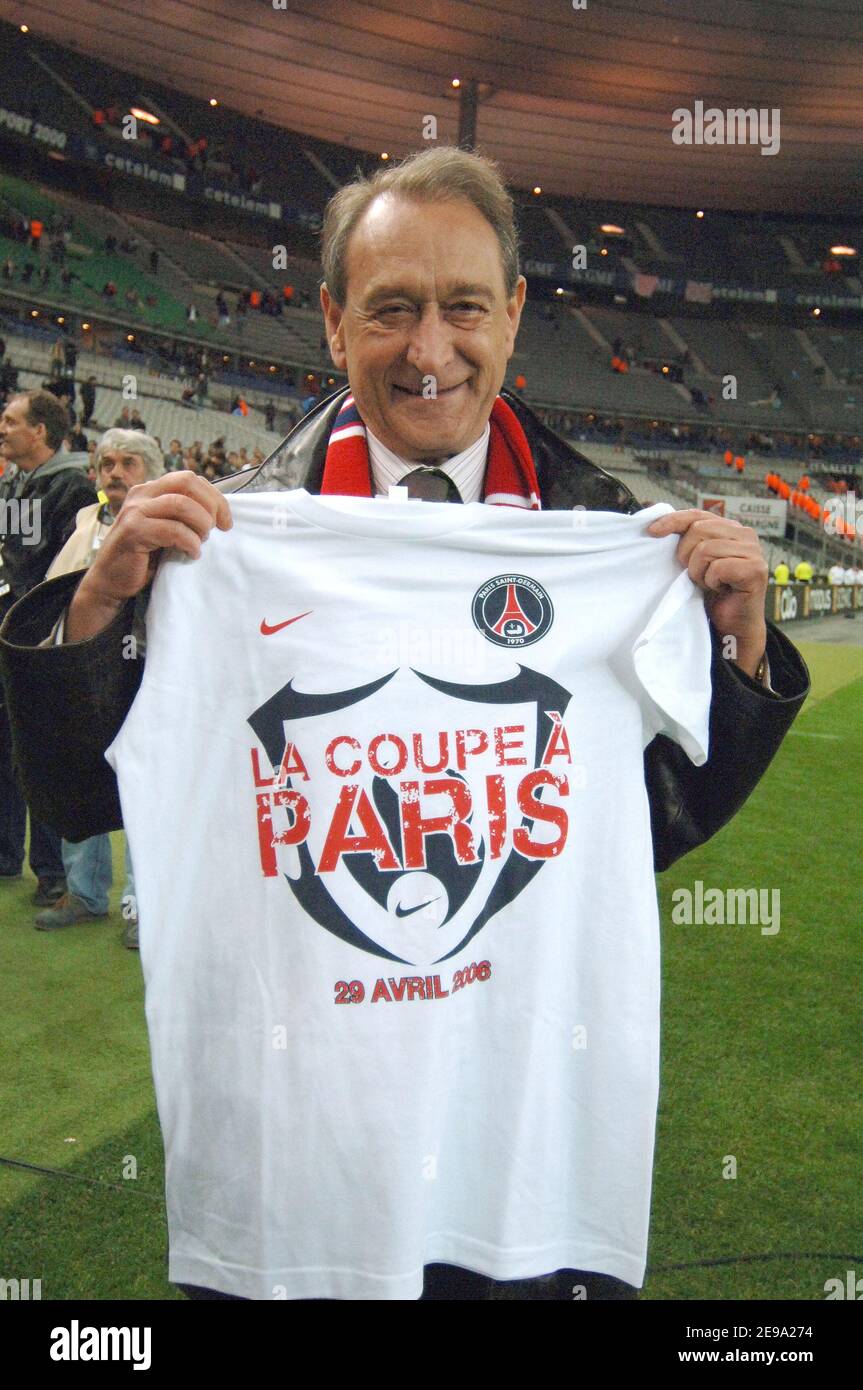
628	432
79	398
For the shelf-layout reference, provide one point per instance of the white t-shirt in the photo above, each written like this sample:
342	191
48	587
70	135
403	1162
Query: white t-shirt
384	780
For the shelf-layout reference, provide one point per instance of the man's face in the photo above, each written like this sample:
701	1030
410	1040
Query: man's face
117	473
18	440
427	329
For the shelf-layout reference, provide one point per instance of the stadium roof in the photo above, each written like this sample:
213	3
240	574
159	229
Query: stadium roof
578	101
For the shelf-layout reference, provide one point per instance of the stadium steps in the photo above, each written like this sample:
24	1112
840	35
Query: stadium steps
100	220
682	346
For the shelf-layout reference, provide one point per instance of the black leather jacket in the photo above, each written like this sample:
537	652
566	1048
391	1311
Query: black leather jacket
67	703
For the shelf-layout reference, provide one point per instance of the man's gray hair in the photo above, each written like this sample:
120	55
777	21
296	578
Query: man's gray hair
441	174
132	442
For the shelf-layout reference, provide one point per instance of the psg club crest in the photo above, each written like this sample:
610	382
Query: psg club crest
404	814
512	610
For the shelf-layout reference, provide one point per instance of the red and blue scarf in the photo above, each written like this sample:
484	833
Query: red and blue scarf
510	476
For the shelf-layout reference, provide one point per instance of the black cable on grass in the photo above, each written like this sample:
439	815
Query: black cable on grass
752	1259
79	1177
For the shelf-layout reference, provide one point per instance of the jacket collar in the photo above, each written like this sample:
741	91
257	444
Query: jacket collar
57	463
566	478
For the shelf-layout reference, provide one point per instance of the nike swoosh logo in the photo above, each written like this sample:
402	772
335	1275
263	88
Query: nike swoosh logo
277	627
406	911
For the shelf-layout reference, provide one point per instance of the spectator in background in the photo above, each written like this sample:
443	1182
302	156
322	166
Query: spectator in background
123	459
36	229
8	269
32	428
45	276
174	456
136	423
109	290
782	573
836	574
122	421
57	358
154	262
192	313
77	440
270	415
70	357
88	400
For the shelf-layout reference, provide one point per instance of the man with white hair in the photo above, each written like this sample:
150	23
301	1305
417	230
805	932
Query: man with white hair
391	1150
123	459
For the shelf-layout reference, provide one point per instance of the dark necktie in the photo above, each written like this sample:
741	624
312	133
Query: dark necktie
432	485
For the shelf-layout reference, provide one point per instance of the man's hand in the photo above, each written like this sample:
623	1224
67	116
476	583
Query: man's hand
724	559
179	511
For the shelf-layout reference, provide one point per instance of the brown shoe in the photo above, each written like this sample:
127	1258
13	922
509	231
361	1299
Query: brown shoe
66	913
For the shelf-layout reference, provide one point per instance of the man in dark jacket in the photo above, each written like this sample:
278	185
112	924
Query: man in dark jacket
424	299
40	501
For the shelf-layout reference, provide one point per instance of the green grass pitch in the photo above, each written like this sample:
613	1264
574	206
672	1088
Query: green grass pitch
760	1059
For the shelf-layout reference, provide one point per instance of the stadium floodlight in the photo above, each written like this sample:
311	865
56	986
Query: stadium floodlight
611	229
537	190
141	115
700	212
456	82
843	250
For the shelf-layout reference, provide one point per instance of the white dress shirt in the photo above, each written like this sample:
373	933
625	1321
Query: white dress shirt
466	470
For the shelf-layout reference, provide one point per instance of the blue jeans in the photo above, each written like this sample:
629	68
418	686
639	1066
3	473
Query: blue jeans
89	872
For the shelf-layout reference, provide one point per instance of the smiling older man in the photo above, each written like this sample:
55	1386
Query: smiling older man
123	459
422	300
